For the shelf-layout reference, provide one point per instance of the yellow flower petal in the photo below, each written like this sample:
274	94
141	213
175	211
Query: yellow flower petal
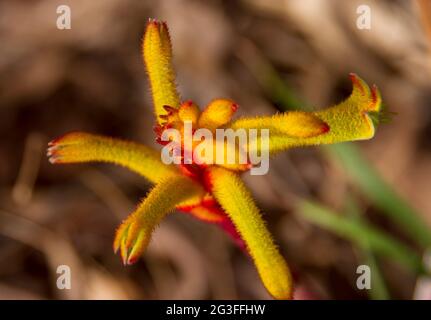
189	111
294	124
78	147
218	113
157	54
347	121
236	200
134	234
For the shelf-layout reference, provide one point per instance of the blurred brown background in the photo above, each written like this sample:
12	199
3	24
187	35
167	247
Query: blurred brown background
92	78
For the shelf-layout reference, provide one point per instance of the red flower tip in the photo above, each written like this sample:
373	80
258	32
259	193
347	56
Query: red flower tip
169	109
234	106
325	128
356	82
132	260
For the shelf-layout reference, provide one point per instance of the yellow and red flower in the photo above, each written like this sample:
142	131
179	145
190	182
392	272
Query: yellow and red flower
212	192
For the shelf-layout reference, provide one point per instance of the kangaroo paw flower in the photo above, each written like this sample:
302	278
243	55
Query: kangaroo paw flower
157	53
349	120
209	190
236	200
134	234
131	239
218	113
80	147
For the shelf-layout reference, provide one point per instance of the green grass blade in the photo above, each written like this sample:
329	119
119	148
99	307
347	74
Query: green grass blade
379	192
361	234
378	289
